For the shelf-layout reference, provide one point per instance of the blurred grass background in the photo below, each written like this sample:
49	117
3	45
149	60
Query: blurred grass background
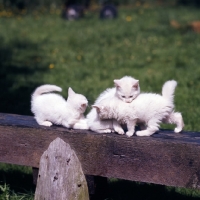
39	47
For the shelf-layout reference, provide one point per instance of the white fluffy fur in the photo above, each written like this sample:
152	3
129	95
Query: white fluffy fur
50	108
148	108
126	89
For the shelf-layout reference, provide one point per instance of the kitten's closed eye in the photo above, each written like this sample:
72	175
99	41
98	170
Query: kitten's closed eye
125	97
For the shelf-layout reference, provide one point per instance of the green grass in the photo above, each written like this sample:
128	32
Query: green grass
88	54
16	182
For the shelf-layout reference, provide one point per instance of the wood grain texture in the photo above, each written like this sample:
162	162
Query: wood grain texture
60	174
166	158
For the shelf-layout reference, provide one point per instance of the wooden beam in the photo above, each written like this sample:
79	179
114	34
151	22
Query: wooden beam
166	158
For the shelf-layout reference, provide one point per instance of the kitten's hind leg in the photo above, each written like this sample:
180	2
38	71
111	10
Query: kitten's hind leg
43	123
152	127
117	127
179	122
176	118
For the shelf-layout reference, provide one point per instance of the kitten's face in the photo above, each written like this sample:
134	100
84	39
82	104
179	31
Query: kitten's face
82	102
78	100
102	111
127	89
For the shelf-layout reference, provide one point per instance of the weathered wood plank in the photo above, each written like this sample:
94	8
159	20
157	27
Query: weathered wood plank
60	174
165	158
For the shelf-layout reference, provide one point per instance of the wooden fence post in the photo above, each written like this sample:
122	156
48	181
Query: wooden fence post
60	174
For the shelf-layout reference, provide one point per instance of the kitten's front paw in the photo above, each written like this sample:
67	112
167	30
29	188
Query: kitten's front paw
129	133
84	127
119	131
102	130
46	123
144	133
81	126
107	131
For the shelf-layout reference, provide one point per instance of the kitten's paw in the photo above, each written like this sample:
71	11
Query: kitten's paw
81	126
46	123
129	133
179	122
144	133
119	131
177	130
102	130
85	126
107	131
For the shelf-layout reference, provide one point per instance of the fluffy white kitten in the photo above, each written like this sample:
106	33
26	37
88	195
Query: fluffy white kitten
126	89
51	108
148	108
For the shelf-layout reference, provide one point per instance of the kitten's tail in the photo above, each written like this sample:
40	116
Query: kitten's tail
45	89
168	90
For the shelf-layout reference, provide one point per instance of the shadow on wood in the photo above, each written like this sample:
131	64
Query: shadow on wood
60	174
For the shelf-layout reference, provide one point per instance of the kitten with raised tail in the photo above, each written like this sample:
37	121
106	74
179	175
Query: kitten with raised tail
148	108
126	90
50	108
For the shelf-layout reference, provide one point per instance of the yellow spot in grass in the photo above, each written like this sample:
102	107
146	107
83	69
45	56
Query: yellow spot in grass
58	11
149	59
128	18
51	66
79	57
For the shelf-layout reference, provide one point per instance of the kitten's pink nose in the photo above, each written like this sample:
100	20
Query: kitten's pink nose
84	105
128	101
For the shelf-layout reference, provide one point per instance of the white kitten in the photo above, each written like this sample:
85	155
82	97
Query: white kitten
126	89
103	126
51	108
148	108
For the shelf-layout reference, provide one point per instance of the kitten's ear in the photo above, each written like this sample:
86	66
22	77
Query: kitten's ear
98	108
117	83
136	84
70	92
